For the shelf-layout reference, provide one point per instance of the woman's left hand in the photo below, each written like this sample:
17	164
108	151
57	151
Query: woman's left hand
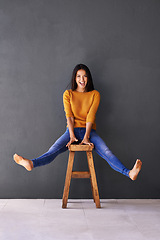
86	141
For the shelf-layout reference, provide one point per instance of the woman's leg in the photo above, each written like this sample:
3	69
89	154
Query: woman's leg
58	147
101	148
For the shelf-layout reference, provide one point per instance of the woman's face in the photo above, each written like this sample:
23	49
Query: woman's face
81	80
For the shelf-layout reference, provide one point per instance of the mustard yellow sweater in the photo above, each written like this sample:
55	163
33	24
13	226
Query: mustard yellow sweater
82	106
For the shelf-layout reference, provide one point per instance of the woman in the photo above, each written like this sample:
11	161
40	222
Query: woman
80	104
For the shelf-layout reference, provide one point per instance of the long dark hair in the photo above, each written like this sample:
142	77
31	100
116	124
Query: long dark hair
89	86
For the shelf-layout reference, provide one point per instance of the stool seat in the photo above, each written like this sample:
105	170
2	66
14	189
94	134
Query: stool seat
80	148
81	174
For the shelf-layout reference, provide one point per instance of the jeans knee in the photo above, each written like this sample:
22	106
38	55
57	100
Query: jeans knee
108	152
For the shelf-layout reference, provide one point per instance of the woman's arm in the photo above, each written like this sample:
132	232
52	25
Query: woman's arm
70	122
87	134
69	117
91	118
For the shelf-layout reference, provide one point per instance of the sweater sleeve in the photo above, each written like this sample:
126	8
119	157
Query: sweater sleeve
67	104
94	107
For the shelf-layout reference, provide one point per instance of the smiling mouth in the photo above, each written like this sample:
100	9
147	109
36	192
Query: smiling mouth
82	83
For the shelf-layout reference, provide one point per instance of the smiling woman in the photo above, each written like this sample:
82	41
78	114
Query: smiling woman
81	103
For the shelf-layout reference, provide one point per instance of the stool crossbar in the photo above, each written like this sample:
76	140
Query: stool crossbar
81	174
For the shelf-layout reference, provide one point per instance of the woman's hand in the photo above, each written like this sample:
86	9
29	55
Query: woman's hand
86	141
72	139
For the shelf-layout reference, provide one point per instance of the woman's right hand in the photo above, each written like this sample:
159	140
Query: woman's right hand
72	139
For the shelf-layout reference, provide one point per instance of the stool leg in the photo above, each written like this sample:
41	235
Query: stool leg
92	190
68	179
93	179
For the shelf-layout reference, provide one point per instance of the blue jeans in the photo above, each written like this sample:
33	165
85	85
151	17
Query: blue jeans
99	146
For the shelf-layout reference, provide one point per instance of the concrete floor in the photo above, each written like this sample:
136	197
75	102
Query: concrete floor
45	219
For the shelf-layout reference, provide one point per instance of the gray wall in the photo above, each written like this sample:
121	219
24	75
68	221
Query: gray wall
40	43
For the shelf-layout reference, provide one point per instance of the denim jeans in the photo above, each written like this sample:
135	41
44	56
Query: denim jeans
99	146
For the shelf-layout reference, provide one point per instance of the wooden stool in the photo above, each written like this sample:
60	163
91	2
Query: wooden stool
90	174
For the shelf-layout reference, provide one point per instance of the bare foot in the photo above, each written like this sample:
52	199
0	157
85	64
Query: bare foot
28	164
135	170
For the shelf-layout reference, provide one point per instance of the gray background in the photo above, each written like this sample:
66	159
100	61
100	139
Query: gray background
40	43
